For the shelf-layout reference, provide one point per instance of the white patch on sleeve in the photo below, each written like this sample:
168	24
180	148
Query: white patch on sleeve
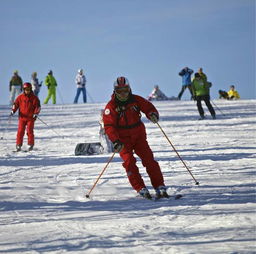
107	111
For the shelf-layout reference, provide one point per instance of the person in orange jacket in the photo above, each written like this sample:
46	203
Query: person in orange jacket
123	125
29	107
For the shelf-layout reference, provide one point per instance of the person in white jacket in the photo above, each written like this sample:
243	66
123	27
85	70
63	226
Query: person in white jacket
35	84
80	82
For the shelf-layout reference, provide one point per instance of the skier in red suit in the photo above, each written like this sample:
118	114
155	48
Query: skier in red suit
29	108
123	125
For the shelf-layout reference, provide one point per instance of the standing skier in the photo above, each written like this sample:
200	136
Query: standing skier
123	125
185	73
80	82
15	86
35	84
51	84
29	108
201	92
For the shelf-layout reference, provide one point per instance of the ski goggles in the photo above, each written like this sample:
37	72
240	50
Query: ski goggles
122	90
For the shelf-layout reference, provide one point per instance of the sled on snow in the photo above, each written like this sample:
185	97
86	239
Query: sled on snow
89	148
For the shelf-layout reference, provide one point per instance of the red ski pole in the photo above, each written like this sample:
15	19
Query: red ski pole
109	160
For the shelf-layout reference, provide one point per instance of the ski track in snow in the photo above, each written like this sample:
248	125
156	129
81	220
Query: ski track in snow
43	208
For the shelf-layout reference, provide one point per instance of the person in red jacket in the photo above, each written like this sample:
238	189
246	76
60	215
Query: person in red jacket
29	108
123	125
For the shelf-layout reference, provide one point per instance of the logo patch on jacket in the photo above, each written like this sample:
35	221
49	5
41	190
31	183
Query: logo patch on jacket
107	111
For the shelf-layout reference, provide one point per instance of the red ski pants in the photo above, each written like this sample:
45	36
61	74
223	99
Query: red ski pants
21	131
141	148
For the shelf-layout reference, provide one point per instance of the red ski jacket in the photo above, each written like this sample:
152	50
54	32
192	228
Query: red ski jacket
28	105
122	120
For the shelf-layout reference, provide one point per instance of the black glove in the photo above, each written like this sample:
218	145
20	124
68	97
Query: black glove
154	117
35	116
118	146
194	97
12	113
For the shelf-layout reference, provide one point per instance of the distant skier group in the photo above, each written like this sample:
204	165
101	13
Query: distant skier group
199	88
15	86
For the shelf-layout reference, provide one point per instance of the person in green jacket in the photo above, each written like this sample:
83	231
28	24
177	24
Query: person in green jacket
202	75
51	84
201	92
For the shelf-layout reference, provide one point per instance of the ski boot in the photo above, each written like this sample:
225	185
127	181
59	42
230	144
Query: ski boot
30	148
145	193
161	192
18	148
202	117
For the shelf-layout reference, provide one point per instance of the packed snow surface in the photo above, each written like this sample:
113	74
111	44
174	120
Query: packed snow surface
43	208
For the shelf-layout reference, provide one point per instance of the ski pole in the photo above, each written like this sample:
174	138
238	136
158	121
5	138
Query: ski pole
218	108
109	160
49	127
89	96
61	98
197	183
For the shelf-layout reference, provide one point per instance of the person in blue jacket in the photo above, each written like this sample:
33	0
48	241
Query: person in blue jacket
186	73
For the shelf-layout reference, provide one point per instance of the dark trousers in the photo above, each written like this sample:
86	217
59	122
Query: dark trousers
183	89
206	99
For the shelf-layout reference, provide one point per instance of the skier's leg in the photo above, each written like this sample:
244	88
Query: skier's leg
12	95
54	96
209	105
48	96
190	90
84	95
143	150
30	132
78	91
20	132
181	92
199	106
132	170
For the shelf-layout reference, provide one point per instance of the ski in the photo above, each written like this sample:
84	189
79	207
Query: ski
175	197
170	197
22	151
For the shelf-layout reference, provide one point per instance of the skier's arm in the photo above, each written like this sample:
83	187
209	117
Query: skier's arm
147	108
15	106
37	106
109	120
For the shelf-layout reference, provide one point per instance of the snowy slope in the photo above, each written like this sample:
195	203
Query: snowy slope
43	208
